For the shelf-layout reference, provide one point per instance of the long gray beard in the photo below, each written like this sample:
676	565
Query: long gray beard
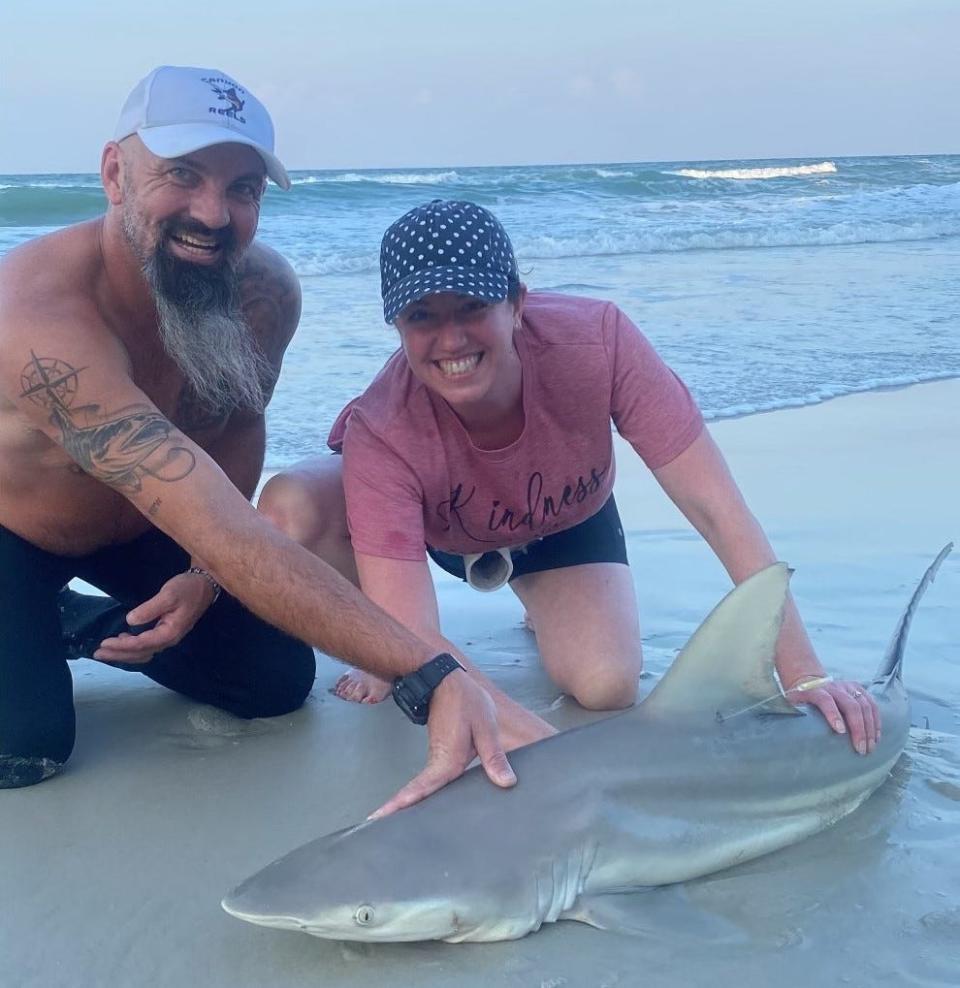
205	334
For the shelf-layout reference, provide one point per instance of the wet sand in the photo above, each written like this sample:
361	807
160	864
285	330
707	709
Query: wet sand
112	873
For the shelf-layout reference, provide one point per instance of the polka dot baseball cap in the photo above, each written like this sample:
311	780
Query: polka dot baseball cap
445	246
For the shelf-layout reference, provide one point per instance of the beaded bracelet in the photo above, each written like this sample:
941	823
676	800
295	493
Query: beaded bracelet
213	583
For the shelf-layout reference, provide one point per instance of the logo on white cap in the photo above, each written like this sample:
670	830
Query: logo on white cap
177	109
230	95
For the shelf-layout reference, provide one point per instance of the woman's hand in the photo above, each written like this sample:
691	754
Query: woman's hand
846	706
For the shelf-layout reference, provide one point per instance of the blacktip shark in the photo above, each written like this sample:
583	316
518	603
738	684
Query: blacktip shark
715	767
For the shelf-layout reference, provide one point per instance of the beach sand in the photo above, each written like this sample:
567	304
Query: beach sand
112	873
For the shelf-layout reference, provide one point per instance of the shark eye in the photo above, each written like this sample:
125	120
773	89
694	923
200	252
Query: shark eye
364	915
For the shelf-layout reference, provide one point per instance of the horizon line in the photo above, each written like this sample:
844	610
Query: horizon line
561	164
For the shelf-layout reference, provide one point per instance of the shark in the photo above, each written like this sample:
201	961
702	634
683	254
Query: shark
713	768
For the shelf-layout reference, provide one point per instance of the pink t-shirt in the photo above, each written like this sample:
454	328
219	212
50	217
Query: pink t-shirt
412	476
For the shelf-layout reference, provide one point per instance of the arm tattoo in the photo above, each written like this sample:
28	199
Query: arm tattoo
120	449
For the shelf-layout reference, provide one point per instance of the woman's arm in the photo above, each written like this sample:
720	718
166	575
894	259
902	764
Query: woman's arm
699	482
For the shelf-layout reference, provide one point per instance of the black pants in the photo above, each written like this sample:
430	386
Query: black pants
230	659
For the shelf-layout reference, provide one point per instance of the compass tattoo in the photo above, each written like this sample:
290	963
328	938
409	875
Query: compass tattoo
119	449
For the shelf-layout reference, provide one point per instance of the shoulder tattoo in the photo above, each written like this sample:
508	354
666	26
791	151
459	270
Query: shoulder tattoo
269	299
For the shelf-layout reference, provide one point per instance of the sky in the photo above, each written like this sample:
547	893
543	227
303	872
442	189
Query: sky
368	83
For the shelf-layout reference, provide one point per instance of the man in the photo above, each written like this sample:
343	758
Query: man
137	354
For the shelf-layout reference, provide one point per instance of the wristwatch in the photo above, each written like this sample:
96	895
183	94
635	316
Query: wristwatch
413	691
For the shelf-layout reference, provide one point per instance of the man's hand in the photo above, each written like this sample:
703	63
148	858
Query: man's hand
519	726
462	724
176	608
847	707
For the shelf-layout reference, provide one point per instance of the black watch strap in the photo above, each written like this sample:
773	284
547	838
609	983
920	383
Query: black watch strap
440	666
412	692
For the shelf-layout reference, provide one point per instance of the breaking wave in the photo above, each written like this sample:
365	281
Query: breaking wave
754	174
389	178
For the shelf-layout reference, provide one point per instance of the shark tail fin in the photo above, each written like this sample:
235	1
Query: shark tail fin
728	664
891	666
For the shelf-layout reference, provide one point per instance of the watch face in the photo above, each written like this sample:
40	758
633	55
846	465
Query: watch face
411	702
413	691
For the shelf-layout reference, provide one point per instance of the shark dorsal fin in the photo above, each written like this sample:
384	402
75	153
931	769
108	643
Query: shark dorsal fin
728	664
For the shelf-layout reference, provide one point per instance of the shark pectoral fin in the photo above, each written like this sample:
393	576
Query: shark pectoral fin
666	913
729	662
621	912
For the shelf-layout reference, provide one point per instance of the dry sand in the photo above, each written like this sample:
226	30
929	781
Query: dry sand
111	874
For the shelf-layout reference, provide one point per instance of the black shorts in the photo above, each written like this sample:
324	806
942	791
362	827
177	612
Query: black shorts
599	539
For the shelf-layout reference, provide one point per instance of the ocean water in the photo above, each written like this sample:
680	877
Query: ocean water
765	284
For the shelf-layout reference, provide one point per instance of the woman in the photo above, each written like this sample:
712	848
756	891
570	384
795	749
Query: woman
486	442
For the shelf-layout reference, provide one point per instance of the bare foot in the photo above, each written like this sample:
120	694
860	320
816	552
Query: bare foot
361	687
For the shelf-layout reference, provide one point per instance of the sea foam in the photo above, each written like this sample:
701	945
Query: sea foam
754	174
390	178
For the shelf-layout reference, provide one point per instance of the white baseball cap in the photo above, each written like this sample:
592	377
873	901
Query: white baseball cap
178	109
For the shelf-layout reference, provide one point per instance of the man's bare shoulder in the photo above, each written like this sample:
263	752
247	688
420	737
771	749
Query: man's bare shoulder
49	301
52	281
48	271
270	292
